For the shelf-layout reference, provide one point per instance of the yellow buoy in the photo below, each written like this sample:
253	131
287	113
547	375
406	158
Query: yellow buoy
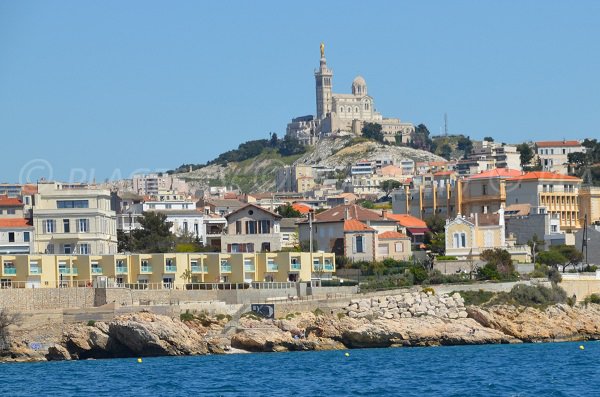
139	360
581	347
347	354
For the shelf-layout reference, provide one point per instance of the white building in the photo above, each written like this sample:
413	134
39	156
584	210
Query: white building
74	218
554	154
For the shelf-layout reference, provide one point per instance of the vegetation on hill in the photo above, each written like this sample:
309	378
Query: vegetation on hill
287	146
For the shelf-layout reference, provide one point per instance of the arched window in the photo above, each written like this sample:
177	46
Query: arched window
349	109
356	109
366	105
341	109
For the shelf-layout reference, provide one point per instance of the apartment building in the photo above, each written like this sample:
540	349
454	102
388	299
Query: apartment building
73	218
153	184
589	199
161	270
554	154
548	192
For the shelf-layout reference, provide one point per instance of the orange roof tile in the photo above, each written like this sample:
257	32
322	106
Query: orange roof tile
443	173
497	173
14	222
557	143
6	201
352	225
391	235
301	208
536	175
407	220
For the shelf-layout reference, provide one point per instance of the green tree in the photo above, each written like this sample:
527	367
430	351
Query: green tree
488	139
373	131
436	224
290	146
525	154
274	140
499	260
552	258
465	144
446	151
287	211
366	204
389	185
155	235
123	241
421	139
572	256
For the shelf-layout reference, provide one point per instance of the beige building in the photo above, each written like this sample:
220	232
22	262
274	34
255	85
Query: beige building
252	229
16	232
554	155
157	271
589	201
548	192
468	237
71	219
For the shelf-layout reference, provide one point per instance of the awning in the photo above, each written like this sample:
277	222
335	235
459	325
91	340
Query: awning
417	230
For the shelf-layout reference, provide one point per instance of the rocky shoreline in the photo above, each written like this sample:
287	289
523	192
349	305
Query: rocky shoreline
410	319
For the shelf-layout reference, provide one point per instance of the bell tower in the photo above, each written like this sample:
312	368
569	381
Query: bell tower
323	77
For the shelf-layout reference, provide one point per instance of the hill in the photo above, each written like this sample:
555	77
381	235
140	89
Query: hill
257	173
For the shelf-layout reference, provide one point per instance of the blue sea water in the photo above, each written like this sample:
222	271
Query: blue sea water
553	369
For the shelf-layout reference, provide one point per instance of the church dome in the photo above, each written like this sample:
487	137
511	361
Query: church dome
359	86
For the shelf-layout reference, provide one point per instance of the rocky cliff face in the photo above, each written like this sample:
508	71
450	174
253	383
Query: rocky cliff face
390	321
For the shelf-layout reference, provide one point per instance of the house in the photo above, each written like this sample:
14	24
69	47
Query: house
411	226
16	232
289	232
252	229
468	237
526	224
354	231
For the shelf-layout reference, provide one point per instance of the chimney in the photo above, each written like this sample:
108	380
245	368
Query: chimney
384	213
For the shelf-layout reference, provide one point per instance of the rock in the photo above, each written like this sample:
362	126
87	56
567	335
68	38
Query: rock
352	314
463	314
58	353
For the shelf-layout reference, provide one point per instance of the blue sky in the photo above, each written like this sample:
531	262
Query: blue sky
101	89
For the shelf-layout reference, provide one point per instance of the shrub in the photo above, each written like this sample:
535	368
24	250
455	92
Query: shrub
534	296
290	316
593	298
446	258
476	298
91	323
341	315
221	316
419	274
318	312
187	316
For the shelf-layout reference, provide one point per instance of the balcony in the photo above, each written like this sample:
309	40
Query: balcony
196	268
9	271
96	270
272	267
121	269
35	270
328	267
225	268
249	267
296	266
146	269
69	271
170	269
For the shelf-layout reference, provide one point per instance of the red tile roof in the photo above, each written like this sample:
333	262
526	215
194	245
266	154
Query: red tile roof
535	175
6	201
301	208
391	235
443	173
557	143
14	223
338	213
497	173
407	220
352	225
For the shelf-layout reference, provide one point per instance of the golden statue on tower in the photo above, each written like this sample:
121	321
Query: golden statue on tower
322	50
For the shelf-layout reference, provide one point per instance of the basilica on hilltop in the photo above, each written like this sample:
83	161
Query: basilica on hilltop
343	114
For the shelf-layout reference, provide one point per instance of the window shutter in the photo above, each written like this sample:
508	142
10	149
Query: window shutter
354	244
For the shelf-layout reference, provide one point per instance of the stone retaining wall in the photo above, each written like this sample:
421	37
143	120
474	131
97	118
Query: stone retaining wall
24	299
408	304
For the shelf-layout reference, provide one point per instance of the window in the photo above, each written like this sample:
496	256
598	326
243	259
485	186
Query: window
11	211
383	249
72	204
264	227
463	240
484	190
66	226
399	247
84	249
83	225
50	249
26	237
11	237
459	240
238	227
49	226
185	227
359	244
250	227
66	249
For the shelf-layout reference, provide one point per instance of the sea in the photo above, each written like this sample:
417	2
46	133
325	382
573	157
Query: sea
549	369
